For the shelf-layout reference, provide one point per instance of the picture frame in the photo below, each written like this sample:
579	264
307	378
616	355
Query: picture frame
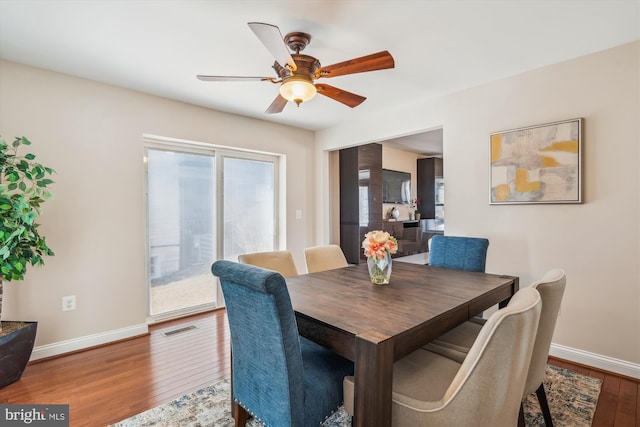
537	164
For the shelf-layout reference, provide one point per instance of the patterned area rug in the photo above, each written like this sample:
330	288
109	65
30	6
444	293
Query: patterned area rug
572	399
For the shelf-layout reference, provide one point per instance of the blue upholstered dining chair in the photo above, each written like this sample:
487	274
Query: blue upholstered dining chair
459	253
279	377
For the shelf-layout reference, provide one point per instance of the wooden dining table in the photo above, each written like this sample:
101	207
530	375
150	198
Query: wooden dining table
375	325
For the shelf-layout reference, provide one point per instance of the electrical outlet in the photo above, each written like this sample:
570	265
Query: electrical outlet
298	214
69	303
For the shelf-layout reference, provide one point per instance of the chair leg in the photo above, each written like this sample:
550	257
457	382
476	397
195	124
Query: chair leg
544	406
240	415
521	416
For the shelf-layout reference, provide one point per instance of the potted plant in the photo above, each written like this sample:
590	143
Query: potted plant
414	208
23	189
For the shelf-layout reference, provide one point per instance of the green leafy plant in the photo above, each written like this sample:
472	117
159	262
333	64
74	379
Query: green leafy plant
23	190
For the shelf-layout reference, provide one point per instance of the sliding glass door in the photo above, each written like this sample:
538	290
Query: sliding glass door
203	204
249	206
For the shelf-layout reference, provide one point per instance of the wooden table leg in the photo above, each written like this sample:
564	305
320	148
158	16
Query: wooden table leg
515	288
373	380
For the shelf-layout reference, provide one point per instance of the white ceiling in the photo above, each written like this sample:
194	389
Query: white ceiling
158	46
428	143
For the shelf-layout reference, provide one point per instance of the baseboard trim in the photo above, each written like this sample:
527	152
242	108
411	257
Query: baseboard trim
598	361
582	357
88	341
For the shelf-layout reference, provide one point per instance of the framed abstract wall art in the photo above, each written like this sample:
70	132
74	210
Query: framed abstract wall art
537	164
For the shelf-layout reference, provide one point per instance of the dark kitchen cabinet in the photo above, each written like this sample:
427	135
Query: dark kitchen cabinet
360	197
430	170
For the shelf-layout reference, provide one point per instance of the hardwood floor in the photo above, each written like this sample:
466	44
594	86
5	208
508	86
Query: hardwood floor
107	384
113	382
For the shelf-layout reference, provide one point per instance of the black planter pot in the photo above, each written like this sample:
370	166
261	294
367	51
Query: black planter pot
15	351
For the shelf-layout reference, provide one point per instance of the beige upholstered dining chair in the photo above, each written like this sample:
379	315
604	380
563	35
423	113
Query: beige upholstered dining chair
280	261
456	343
484	390
326	257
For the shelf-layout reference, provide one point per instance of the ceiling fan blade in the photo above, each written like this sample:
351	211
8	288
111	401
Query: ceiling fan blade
272	39
376	61
347	98
233	78
277	105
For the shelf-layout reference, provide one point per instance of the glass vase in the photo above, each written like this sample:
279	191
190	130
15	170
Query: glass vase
379	269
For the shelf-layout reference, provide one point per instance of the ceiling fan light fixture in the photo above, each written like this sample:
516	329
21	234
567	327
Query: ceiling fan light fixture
298	90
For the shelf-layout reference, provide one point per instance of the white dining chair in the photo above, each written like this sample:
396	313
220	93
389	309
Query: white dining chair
456	343
324	257
484	390
280	261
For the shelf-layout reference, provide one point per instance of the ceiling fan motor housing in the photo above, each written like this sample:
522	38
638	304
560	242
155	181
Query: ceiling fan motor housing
307	66
298	86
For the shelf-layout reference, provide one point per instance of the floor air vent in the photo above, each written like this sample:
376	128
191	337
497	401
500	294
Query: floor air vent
179	331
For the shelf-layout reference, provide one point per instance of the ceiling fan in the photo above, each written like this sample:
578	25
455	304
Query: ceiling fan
297	73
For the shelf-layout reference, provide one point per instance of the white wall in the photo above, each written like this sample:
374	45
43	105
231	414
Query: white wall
597	242
92	135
